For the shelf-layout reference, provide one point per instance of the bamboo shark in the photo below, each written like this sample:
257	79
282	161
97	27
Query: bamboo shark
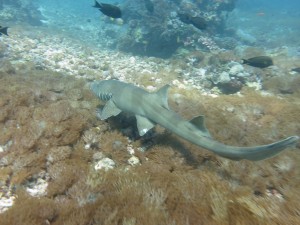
152	108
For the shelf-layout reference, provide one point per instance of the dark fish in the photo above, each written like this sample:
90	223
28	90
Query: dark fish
3	30
259	61
296	69
196	21
149	6
109	10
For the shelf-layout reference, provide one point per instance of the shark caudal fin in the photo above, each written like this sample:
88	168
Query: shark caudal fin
273	149
257	153
3	30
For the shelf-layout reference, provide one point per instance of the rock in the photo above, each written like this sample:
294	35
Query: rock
223	78
236	69
117	145
37	188
133	161
6	203
98	156
231	87
105	163
246	37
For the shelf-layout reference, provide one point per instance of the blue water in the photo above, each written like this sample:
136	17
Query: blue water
261	23
269	23
269	5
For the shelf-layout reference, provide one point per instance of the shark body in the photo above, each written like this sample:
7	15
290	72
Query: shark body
152	108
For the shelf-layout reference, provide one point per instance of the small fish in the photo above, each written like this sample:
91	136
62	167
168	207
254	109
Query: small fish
108	9
259	61
3	30
196	21
296	69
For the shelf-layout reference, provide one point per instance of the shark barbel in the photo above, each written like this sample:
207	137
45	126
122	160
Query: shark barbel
152	108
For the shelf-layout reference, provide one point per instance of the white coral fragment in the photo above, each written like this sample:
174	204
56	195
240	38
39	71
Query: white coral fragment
105	163
6	203
133	161
37	188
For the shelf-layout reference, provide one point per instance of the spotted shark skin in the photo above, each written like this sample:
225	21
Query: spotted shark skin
152	108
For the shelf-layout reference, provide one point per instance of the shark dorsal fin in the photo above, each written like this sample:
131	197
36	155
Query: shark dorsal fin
162	95
198	122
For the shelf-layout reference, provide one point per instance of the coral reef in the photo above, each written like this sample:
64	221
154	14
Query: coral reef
192	68
20	11
54	154
161	32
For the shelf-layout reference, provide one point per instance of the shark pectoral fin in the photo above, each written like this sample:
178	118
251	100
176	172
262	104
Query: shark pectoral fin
110	109
162	96
199	123
143	124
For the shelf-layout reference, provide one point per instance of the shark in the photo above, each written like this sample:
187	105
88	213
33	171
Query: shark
151	108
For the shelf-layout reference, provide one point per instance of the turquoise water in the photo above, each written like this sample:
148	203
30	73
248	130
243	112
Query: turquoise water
265	23
256	23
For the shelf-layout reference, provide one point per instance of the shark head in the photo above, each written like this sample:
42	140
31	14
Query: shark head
103	89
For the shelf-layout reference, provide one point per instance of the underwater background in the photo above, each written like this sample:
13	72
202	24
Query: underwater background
237	62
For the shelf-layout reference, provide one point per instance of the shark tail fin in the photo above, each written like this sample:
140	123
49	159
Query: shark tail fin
3	30
270	150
